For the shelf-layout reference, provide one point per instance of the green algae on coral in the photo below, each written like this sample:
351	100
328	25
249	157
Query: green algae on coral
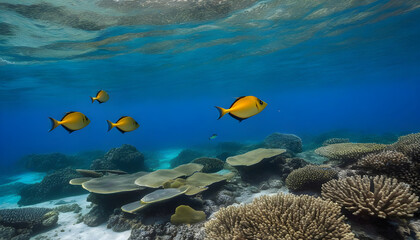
253	157
185	214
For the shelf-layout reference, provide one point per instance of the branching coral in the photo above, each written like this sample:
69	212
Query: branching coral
348	152
386	161
280	217
335	141
309	177
379	196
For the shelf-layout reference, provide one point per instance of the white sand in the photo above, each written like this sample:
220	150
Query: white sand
247	196
165	157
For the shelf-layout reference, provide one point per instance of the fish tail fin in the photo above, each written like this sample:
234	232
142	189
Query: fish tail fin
93	99
110	125
54	123
222	112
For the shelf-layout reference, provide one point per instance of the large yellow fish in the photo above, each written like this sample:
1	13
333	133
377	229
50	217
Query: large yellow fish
101	97
72	121
124	124
243	108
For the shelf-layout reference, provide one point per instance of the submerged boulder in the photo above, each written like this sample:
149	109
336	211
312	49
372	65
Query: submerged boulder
287	141
184	157
125	158
53	186
47	162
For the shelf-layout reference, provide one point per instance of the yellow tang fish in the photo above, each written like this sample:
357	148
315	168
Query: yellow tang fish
124	124
101	97
72	121
243	108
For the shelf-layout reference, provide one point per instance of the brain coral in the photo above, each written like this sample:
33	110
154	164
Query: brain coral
309	177
280	216
385	161
348	152
379	196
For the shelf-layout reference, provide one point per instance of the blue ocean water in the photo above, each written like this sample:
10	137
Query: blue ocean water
321	66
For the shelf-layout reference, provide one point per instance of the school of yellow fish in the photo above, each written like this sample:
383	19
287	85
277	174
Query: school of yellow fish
241	109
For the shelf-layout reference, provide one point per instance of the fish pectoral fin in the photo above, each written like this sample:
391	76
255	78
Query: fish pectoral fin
237	118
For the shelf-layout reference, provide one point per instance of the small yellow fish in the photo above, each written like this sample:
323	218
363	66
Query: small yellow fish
213	136
124	124
72	121
101	97
243	108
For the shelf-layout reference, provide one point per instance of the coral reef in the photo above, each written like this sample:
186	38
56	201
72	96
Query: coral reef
19	223
409	145
346	153
280	217
168	231
386	161
211	165
287	141
335	141
375	196
185	214
68	208
53	186
184	157
47	162
253	157
125	158
113	183
309	177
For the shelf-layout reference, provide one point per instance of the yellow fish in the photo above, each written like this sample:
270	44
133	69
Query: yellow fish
72	121
243	108
124	124
101	97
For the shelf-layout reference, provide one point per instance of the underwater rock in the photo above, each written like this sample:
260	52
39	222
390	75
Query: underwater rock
211	165
184	157
47	162
96	216
53	186
225	198
68	208
372	196
125	158
309	177
168	231
287	141
281	216
120	222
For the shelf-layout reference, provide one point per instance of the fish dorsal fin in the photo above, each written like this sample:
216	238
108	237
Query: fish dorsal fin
237	118
68	129
121	118
237	99
65	115
122	131
98	93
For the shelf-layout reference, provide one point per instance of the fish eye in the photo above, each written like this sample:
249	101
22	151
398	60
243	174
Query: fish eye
261	102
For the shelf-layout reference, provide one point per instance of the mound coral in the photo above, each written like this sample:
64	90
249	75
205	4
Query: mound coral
335	141
28	217
253	157
309	177
211	165
125	158
185	214
286	141
379	196
348	152
280	217
385	161
409	145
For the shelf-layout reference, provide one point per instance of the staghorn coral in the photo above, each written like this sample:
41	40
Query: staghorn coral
335	141
309	177
409	145
348	152
379	196
280	217
386	161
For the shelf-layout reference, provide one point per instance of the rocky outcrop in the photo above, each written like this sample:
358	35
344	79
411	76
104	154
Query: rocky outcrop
287	141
